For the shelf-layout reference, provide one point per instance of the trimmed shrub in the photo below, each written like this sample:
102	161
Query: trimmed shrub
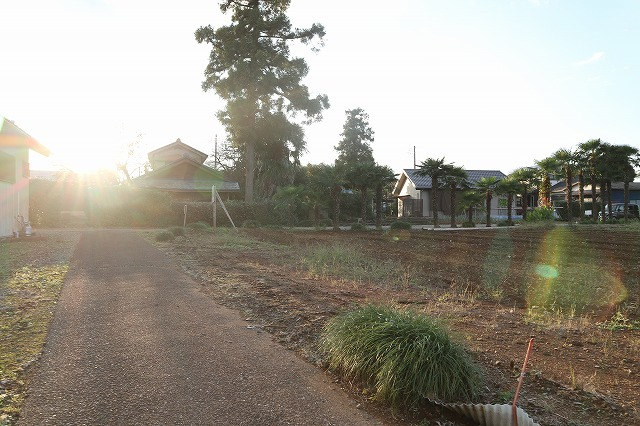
164	236
177	231
400	224
405	357
468	224
540	214
358	227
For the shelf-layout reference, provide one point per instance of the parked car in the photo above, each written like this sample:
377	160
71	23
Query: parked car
617	211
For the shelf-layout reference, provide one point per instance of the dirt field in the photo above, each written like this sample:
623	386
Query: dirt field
495	289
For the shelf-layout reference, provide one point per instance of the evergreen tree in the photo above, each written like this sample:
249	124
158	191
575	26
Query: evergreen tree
251	68
354	147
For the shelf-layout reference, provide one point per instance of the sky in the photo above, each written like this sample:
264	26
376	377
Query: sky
485	84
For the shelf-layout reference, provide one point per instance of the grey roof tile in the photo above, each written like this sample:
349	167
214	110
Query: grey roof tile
424	182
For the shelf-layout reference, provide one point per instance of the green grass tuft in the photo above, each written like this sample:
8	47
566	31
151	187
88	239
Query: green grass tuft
403	356
164	236
199	226
177	231
358	227
399	224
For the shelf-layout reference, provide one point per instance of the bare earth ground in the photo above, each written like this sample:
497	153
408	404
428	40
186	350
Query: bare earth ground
494	288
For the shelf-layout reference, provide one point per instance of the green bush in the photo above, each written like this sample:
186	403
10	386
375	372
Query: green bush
164	236
125	205
468	225
403	356
199	226
540	214
562	210
400	224
358	227
177	231
503	223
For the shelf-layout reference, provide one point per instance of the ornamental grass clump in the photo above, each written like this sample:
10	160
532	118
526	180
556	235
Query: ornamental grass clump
403	356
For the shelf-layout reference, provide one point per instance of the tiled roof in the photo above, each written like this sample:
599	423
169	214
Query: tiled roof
424	182
188	185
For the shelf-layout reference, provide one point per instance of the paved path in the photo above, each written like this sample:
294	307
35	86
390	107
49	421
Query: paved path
134	341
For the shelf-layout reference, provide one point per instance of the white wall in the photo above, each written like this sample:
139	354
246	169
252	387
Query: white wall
14	198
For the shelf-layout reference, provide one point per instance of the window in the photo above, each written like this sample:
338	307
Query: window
7	168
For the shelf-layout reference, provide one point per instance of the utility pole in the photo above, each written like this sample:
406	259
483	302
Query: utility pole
215	153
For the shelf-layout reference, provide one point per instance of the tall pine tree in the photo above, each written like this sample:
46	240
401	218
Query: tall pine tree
251	68
354	147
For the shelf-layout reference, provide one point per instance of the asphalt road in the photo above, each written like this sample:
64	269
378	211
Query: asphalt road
134	341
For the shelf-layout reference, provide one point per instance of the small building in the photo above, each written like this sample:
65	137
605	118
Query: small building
558	192
179	169
15	144
413	192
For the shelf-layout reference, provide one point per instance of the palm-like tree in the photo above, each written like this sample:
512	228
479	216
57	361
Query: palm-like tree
527	177
456	177
381	177
359	176
435	168
487	185
471	199
509	187
328	179
624	160
590	152
567	160
547	167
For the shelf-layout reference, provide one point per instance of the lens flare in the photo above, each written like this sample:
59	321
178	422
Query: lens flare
573	277
546	271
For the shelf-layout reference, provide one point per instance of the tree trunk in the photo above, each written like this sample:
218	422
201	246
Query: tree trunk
379	206
335	193
594	217
452	213
488	199
603	193
525	202
567	180
470	213
250	166
434	201
545	192
609	206
626	201
581	192
363	200
509	202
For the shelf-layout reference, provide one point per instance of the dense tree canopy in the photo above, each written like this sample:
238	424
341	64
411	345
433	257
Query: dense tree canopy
251	68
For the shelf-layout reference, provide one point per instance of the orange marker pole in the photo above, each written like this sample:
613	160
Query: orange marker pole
515	397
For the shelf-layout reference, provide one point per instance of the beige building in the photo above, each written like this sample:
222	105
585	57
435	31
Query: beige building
414	194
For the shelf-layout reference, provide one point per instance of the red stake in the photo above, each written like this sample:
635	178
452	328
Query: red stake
515	397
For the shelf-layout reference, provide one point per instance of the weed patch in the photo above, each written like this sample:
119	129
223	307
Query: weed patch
25	312
349	263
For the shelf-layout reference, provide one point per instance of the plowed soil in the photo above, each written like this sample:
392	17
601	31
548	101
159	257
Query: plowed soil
495	290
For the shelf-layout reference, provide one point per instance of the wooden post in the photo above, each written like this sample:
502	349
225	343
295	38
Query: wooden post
215	205
184	220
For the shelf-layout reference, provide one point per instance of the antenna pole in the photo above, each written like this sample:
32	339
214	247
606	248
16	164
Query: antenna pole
414	156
